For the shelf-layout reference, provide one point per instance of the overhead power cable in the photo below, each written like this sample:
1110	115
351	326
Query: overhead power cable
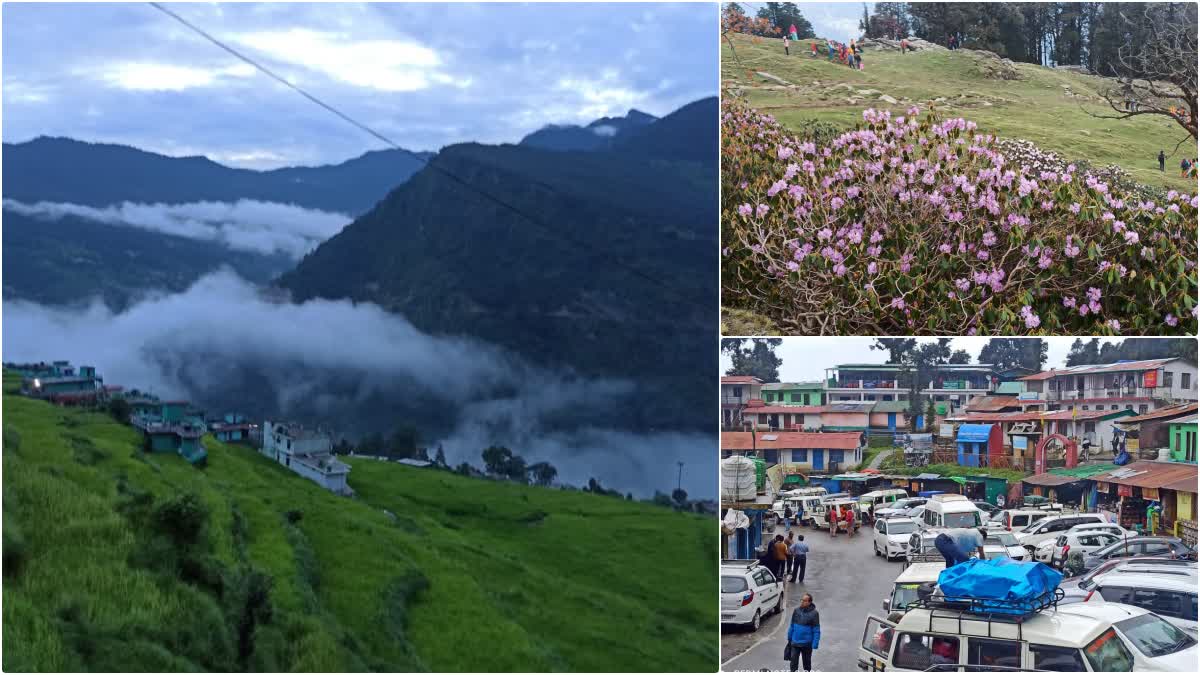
586	247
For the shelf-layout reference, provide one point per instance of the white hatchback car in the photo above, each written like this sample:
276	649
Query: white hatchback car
1050	528
890	538
1055	551
1173	597
748	593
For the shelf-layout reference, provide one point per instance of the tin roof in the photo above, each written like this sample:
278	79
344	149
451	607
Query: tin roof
890	406
1187	420
777	409
991	403
740	379
1163	413
849	407
774	386
789	440
1151	474
1119	366
1033	416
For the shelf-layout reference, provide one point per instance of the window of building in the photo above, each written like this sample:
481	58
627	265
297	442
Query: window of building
800	455
1168	377
836	455
1143	409
1185	380
1089	427
1083	407
797	398
737	392
1129	406
1115	407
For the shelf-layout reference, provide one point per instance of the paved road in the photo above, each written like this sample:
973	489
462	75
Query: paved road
847	582
878	460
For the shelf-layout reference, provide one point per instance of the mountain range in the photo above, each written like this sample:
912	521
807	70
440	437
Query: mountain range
600	260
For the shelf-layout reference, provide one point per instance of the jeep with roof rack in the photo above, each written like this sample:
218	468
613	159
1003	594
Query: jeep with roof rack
952	633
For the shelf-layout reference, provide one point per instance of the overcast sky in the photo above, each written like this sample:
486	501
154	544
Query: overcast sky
807	358
426	75
834	20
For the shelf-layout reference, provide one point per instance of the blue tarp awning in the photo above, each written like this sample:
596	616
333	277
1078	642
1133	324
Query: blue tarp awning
974	433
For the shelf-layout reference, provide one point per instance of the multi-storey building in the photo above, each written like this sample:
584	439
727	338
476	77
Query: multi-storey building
736	393
1140	386
952	386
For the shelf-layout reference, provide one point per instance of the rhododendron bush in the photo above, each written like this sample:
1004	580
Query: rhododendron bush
917	224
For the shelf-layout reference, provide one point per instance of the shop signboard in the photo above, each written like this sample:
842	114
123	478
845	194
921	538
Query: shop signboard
1124	490
1150	493
1150	379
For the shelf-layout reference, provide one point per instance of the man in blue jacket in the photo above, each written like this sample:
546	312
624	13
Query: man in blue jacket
805	632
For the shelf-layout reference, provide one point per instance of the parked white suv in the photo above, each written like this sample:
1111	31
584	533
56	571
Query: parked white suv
1074	638
890	538
748	593
1173	597
1050	528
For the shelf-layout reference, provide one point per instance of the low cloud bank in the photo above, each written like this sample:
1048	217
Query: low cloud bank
229	345
246	225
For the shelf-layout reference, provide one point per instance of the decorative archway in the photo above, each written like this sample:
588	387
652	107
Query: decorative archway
1070	452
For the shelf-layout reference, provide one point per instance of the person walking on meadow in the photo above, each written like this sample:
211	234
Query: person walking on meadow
785	47
1162	161
1183	167
804	633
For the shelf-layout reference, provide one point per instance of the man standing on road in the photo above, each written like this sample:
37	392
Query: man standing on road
788	541
804	635
799	551
849	521
833	521
778	556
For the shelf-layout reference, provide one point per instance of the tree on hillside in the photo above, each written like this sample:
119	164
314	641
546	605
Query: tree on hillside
890	20
516	470
1158	64
960	356
496	459
679	496
758	360
1137	349
735	20
440	458
1008	353
1084	353
783	15
120	410
542	473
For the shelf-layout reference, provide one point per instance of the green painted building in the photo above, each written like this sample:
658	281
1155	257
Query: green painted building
1182	435
794	393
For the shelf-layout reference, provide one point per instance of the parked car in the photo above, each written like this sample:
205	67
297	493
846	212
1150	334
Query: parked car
1075	590
1006	541
1054	552
890	537
748	593
1103	638
950	511
1050	528
1111	528
820	518
1015	520
915	514
995	545
900	506
1138	546
904	590
880	499
1173	597
987	507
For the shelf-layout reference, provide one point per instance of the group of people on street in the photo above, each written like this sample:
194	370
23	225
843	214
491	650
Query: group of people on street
787	557
847	518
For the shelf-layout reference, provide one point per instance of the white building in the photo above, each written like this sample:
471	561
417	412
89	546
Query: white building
951	387
1140	386
736	393
308	453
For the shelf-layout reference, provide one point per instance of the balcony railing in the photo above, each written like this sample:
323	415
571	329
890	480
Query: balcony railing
864	384
733	400
1108	392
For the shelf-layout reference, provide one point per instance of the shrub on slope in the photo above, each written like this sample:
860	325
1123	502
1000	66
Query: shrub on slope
918	224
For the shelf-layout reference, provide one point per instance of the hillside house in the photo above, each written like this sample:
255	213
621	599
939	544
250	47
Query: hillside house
736	393
231	428
798	452
794	393
1153	430
165	428
786	417
1183	439
61	384
1140	386
307	452
952	386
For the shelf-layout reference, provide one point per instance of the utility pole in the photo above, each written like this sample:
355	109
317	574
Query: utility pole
679	481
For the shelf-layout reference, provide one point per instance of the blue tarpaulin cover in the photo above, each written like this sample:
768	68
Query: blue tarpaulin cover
1011	582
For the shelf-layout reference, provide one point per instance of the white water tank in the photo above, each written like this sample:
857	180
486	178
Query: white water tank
738	481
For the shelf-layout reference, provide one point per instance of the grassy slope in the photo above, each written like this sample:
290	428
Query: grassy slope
1033	108
510	588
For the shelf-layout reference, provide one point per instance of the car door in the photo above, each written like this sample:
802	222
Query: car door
769	589
881	535
876	646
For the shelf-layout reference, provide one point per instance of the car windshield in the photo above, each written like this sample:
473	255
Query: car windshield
1108	654
1154	636
904	594
1003	538
902	528
970	519
733	584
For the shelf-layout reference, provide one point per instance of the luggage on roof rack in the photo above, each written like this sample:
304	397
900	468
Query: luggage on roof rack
1001	586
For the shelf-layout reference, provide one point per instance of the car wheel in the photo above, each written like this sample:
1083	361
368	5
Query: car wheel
779	605
876	547
756	622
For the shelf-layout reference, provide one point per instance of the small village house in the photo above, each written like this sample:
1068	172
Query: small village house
798	452
794	393
737	391
307	452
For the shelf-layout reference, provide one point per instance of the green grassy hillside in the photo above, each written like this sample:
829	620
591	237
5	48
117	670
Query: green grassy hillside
1046	106
107	566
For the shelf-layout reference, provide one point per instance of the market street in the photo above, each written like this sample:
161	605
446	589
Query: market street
847	582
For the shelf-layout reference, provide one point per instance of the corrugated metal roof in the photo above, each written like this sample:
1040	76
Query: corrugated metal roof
1010	388
973	433
1057	415
1083	470
1049	479
849	406
1119	366
1150	474
776	409
991	403
774	386
890	407
740	379
1187	420
1163	413
789	440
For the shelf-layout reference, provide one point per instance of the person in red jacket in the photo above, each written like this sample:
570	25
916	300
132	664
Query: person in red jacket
849	517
